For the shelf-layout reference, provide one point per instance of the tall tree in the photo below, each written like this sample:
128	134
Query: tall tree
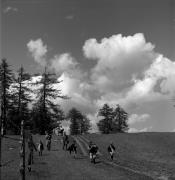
74	115
79	123
6	78
47	111
104	124
20	99
120	117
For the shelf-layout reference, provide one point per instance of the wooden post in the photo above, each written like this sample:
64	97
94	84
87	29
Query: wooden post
22	152
0	143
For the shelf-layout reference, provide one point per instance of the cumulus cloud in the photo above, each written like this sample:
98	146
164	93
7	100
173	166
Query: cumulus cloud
94	119
128	72
119	59
60	63
38	50
79	94
135	118
63	63
10	9
157	83
134	130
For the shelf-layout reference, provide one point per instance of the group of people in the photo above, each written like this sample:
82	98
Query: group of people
71	147
93	151
92	148
39	148
66	145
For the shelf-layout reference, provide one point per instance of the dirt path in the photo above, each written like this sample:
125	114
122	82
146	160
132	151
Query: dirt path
59	165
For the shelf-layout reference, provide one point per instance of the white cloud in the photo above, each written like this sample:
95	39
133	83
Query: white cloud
127	72
161	73
10	9
134	130
119	59
65	124
63	62
94	119
78	91
38	50
60	63
135	118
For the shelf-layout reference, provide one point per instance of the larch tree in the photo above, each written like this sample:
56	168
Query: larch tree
6	79
104	124
120	117
20	99
46	111
74	115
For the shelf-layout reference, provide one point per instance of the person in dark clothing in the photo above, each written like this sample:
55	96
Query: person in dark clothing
48	141
31	148
40	148
65	141
73	148
111	150
93	149
61	132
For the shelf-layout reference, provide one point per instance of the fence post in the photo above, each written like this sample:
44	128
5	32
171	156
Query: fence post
0	143
22	152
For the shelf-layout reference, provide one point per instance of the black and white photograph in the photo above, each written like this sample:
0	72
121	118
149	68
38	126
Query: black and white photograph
87	90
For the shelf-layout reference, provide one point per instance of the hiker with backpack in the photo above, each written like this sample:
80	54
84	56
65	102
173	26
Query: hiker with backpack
93	150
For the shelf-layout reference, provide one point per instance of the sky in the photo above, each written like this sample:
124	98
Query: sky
105	51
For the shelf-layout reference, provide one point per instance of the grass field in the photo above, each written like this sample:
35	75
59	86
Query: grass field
153	153
10	158
150	153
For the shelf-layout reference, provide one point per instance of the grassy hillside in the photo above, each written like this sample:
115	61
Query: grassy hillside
147	152
10	158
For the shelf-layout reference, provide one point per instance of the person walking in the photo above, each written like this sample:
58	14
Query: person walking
40	148
65	141
93	149
73	148
31	148
48	141
111	150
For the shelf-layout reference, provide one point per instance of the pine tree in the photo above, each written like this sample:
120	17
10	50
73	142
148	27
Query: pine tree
47	112
74	115
79	123
6	79
20	99
120	117
104	124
